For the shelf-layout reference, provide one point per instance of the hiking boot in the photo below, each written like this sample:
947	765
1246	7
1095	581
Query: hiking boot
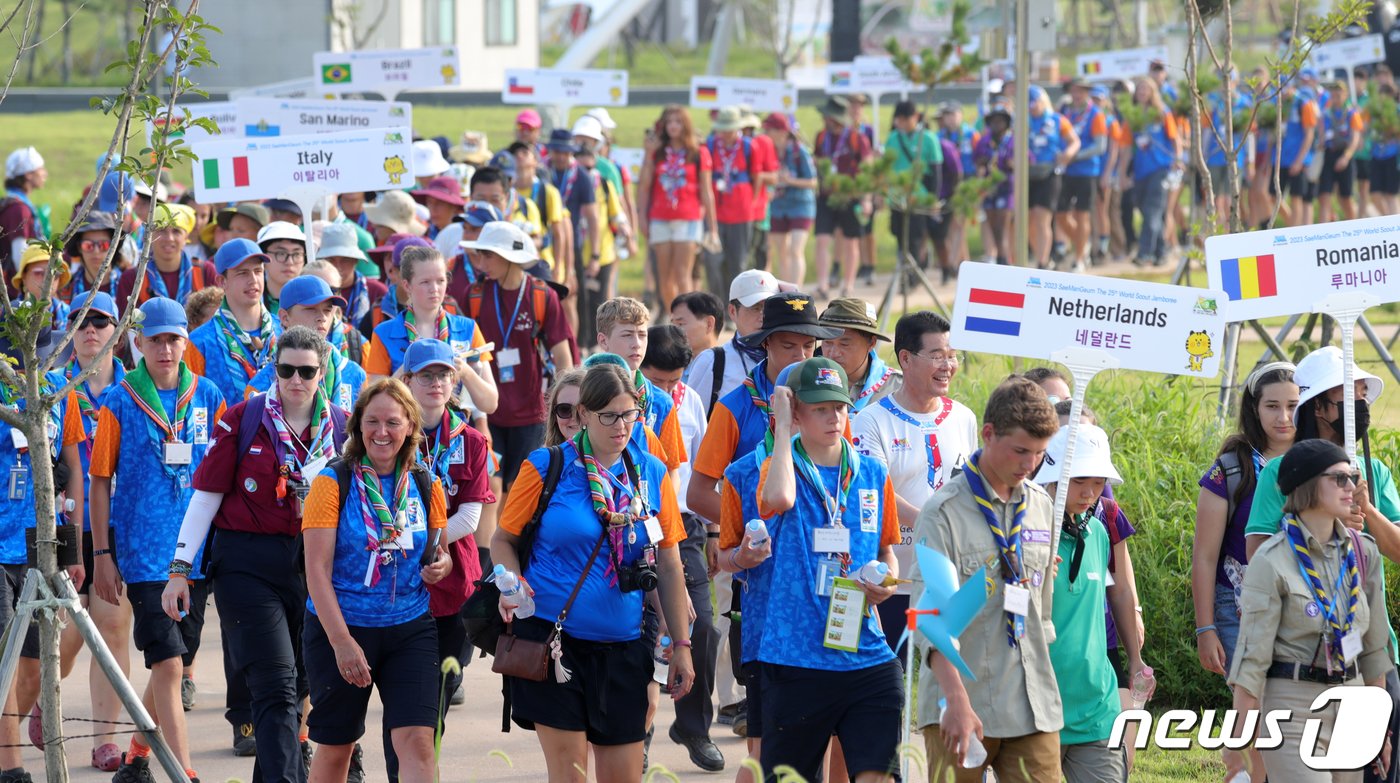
459	697
306	754
725	716
16	776
244	743
357	766
187	693
134	769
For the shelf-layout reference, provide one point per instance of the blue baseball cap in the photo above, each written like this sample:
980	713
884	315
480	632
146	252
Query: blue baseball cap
425	353
1035	93
236	251
102	304
116	189
479	213
307	291
160	315
504	161
1099	91
1308	73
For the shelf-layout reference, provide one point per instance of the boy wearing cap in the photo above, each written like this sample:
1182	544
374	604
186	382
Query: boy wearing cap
29	280
991	515
233	346
549	230
871	380
845	149
309	301
492	184
285	246
153	430
340	246
578	195
736	179
915	148
827	669
722	369
1083	581
172	273
242	220
598	279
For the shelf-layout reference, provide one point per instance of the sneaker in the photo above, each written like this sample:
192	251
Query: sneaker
725	716
244	743
134	769
646	749
459	697
306	754
740	727
17	776
187	693
357	766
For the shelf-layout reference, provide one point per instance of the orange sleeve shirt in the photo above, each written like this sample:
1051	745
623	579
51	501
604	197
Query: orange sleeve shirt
670	436
717	449
72	422
105	445
731	516
377	361
193	358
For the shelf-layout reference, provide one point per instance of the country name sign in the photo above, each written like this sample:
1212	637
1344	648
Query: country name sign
1118	63
1155	327
867	76
251	169
761	95
223	113
387	71
1289	270
262	117
549	87
1349	52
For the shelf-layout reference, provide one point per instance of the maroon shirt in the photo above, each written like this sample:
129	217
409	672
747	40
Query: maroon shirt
206	277
470	484
522	399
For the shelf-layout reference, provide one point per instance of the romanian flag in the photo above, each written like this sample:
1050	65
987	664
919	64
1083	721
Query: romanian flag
1092	67
706	93
517	87
339	73
1249	278
233	171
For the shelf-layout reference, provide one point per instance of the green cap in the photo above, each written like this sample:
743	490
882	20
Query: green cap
818	380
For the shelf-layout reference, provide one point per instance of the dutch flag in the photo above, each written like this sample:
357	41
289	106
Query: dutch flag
994	312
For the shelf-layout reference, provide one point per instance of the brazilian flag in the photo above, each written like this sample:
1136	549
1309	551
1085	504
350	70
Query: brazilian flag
338	73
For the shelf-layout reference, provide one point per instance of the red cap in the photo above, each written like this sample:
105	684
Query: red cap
776	121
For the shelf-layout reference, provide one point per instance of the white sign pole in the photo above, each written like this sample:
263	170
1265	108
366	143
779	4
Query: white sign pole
1346	308
307	197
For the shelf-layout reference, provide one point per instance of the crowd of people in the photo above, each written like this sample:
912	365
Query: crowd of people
728	521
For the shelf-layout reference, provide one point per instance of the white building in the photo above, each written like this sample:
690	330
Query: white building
267	41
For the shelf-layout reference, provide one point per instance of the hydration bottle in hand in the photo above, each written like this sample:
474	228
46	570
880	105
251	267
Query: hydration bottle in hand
1144	683
976	754
515	596
873	573
756	534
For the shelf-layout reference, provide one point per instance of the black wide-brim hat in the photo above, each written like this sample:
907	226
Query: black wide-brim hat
791	312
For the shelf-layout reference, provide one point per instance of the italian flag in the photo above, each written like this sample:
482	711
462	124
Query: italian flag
231	170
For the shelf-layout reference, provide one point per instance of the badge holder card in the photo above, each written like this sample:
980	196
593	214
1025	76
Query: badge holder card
845	616
19	474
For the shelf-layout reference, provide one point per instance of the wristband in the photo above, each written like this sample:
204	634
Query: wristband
712	535
681	643
1204	628
180	568
101	552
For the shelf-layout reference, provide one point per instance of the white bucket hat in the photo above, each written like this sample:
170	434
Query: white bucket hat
23	161
394	209
280	229
1092	458
589	128
601	115
339	240
428	160
506	240
1322	370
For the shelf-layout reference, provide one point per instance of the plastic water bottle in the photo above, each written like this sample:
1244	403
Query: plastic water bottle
516	597
1144	683
757	534
1240	777
662	669
873	573
976	754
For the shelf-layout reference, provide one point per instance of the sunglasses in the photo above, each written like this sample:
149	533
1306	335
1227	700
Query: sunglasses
307	372
96	321
564	410
89	245
1344	479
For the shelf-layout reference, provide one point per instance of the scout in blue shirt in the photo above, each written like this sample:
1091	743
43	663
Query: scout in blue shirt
153	430
241	337
308	301
827	668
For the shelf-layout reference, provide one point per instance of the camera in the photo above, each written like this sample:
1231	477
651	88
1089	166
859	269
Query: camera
640	575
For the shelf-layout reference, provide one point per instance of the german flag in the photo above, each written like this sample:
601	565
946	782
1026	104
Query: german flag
337	73
706	93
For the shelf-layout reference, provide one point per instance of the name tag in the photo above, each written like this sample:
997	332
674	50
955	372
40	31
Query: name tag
177	453
1036	536
1351	646
17	438
831	539
654	534
1017	600
313	469
508	357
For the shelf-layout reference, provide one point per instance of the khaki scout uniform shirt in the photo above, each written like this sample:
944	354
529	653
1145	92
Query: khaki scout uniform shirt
1275	624
1015	693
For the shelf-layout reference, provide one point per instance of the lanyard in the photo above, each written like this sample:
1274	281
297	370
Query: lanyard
505	332
566	184
930	430
835	501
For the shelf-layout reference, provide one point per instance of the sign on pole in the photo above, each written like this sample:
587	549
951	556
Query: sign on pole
262	117
387	71
630	158
762	95
549	87
1287	270
867	76
223	113
305	87
1119	63
1155	327
1349	52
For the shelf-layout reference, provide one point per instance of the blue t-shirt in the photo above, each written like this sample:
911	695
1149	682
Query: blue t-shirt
1083	123
568	530
462	334
147	514
17	514
752	423
89	419
1046	141
742	475
575	190
1155	150
795	202
222	368
794	615
352	379
400	595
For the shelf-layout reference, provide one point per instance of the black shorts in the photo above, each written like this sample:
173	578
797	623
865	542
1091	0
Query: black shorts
158	637
89	568
1363	170
606	698
1120	672
1295	185
805	707
830	219
403	661
753	697
1343	182
938	224
1077	193
1044	193
11	582
1385	177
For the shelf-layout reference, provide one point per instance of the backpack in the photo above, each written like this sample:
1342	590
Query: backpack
539	304
747	143
421	477
716	377
539	193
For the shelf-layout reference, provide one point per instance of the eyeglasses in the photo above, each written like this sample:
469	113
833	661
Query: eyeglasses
96	322
439	378
307	372
89	245
564	410
1344	479
288	256
610	419
942	358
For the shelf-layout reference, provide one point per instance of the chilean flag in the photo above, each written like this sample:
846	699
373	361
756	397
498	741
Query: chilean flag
994	312
515	87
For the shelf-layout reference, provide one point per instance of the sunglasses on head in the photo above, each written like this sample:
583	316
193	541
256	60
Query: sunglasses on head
307	372
96	321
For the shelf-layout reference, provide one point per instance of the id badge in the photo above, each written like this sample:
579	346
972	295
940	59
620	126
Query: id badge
313	469
1351	646
721	185
507	374
828	569
1017	600
654	535
17	438
19	482
177	453
836	540
507	357
845	616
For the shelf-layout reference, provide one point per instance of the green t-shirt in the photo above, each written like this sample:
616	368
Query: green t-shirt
611	173
1088	686
905	146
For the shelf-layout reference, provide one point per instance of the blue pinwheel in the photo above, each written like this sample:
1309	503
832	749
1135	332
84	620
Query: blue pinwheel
945	609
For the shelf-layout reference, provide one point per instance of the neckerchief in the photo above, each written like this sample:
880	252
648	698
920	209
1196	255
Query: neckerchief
760	391
643	387
1077	528
330	382
322	442
142	388
411	325
930	430
357	300
389	303
565	180
1348	586
436	450
834	501
725	157
81	286
1008	541
678	394
875	379
243	352
671	174
155	281
381	525
617	502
